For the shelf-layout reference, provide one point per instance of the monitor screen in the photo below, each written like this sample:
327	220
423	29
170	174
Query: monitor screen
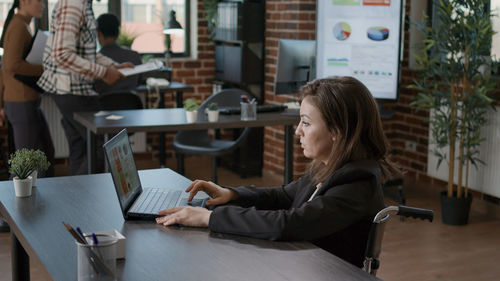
295	66
362	39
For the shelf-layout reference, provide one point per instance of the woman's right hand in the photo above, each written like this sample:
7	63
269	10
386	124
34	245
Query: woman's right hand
219	194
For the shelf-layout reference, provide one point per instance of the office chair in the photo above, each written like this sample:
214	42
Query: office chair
120	101
374	243
199	142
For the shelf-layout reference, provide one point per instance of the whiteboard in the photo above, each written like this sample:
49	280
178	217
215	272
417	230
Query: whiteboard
362	39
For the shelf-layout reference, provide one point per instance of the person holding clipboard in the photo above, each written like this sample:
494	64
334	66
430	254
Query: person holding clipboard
71	65
22	102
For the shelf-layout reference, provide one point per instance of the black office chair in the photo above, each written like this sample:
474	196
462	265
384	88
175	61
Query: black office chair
120	101
200	143
374	243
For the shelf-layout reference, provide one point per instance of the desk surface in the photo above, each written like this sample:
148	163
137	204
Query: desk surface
173	86
174	119
153	252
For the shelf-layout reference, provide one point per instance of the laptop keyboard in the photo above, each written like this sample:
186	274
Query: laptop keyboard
156	199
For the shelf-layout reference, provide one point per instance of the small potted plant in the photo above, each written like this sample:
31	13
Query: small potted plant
191	107
21	166
213	112
40	163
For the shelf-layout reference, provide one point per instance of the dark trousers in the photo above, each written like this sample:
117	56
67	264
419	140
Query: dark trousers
76	134
31	130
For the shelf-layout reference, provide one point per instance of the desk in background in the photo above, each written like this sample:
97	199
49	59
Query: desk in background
176	87
174	119
154	252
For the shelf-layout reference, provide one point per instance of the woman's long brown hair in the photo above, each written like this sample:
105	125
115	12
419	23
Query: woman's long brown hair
352	115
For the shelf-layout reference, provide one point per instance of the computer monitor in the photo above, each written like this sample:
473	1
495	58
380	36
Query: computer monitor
295	65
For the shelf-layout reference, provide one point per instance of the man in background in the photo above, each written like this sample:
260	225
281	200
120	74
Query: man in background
108	29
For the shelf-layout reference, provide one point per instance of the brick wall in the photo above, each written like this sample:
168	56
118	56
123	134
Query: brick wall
296	20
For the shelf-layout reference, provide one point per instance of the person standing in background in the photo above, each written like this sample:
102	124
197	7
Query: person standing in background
21	102
71	65
108	29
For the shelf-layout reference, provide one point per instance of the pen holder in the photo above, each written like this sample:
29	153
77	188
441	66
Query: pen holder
97	262
248	111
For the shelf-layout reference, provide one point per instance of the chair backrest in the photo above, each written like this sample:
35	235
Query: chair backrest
224	98
120	101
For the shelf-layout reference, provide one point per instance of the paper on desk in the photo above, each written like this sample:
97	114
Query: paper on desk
114	117
146	67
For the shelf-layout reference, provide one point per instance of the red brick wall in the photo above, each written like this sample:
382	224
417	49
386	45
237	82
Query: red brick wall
296	20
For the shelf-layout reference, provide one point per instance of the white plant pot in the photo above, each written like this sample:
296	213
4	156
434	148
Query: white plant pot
34	175
213	115
22	187
191	116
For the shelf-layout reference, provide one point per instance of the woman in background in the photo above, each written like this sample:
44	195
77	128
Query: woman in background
333	205
21	102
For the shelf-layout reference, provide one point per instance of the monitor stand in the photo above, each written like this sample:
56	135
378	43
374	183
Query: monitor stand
384	113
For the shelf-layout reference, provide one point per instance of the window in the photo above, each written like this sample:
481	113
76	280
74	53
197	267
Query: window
495	44
142	19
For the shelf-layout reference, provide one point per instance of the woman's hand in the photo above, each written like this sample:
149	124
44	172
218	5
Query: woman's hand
219	195
185	215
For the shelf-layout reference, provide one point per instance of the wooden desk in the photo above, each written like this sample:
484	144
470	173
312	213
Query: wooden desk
153	252
174	119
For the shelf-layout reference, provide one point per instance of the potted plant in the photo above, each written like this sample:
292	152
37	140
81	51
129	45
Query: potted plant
191	107
21	166
40	163
213	112
457	92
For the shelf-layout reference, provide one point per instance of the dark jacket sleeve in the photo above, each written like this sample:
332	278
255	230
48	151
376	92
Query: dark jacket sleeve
268	198
334	210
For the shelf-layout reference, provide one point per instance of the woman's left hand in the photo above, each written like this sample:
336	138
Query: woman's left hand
185	215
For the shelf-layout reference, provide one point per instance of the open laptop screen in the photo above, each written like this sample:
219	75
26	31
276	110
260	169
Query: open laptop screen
123	169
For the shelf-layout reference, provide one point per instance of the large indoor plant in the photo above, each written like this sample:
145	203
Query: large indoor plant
455	87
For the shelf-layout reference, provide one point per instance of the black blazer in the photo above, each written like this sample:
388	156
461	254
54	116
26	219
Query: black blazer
337	219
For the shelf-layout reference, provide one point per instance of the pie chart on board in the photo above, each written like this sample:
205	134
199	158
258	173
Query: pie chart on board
377	33
341	30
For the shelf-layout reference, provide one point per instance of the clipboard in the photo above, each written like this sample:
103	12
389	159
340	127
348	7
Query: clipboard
34	55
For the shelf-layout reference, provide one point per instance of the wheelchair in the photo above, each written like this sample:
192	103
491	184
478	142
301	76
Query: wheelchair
374	243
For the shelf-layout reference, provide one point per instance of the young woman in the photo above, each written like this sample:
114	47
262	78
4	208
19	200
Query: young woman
334	203
21	102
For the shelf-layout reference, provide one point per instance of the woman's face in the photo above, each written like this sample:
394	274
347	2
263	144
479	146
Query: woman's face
33	8
315	138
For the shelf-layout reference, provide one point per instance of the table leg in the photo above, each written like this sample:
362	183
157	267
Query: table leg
179	101
20	261
288	154
91	154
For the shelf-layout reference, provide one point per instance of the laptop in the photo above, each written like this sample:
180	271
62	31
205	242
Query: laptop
139	203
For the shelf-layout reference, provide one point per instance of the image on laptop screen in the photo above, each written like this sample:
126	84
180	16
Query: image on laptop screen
122	167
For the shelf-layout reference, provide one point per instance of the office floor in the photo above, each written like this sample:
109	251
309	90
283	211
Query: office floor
413	249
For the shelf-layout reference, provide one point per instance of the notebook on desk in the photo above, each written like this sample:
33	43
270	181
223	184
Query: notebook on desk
136	202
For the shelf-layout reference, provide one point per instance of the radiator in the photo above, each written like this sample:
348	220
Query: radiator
486	178
53	116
